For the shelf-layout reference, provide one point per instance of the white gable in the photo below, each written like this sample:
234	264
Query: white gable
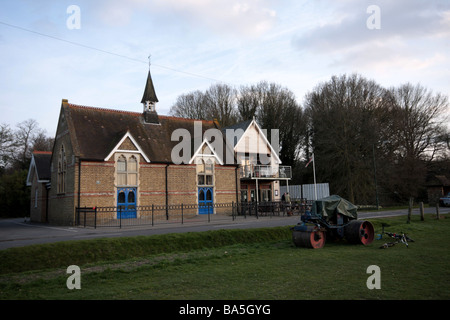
204	151
136	145
253	141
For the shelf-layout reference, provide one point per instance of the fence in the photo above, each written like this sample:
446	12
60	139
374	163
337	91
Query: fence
307	191
117	217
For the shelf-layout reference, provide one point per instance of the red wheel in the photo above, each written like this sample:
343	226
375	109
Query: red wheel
359	232
311	238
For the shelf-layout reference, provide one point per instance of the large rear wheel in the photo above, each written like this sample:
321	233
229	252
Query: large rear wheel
310	238
359	232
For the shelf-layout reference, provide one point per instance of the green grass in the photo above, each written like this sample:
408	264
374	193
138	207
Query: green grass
234	264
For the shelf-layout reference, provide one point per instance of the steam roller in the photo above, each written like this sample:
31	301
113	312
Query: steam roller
331	218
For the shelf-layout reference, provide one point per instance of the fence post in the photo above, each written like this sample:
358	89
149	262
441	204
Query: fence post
208	212
232	211
422	218
95	218
120	217
410	209
152	214
437	211
182	216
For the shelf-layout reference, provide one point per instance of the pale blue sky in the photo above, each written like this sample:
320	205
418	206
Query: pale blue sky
196	43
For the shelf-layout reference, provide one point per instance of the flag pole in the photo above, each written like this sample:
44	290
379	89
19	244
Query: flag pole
314	171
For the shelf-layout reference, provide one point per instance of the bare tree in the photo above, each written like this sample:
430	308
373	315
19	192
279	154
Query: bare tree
220	103
345	117
249	100
6	145
274	107
191	105
421	121
420	136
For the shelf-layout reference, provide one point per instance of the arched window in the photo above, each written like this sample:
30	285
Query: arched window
127	171
62	169
132	169
205	172
122	171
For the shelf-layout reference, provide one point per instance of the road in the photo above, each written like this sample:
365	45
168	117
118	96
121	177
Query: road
18	233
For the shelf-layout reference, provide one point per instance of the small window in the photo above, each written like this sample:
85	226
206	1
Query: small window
121	197
201	196
131	197
205	173
132	164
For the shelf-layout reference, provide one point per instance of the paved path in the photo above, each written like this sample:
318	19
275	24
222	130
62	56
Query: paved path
17	232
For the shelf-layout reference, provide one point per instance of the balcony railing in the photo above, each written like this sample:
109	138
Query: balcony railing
266	172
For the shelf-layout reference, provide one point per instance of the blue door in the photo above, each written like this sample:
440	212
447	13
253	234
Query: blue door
205	200
126	203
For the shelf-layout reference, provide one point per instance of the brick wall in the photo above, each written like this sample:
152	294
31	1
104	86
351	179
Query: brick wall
38	201
61	205
98	182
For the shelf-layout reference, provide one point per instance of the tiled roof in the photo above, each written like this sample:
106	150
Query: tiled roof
42	162
95	132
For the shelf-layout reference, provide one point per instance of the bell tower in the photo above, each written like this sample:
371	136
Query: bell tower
149	100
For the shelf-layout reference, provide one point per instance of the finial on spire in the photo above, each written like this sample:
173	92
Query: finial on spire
149	60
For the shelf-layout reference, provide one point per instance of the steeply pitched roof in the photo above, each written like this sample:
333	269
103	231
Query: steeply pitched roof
237	129
40	165
240	130
149	92
95	132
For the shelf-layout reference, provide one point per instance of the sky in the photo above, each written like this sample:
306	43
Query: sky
95	53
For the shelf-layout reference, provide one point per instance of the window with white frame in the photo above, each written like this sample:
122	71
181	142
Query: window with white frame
127	170
205	172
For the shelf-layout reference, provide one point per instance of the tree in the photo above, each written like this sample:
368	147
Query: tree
345	116
220	102
420	121
420	135
16	147
6	146
190	105
274	107
217	103
249	100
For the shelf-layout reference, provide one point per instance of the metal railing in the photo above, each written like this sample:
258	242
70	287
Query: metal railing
117	217
266	172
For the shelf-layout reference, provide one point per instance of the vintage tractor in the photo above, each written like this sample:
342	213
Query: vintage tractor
331	218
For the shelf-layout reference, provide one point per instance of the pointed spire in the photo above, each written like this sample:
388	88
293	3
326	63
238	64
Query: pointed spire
149	92
149	100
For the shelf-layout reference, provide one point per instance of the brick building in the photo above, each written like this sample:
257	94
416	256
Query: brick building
38	180
112	158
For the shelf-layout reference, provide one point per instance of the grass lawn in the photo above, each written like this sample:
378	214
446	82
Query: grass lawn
260	264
